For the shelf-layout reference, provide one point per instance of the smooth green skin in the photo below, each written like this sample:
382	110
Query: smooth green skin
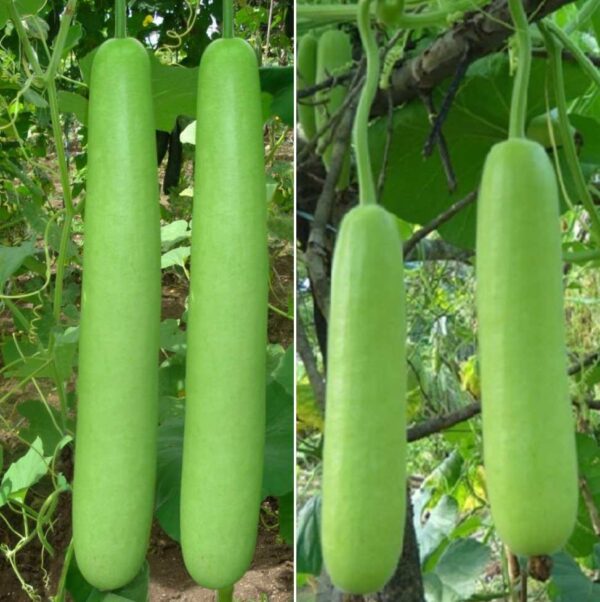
364	470
334	51
115	456
227	322
537	130
528	431
307	76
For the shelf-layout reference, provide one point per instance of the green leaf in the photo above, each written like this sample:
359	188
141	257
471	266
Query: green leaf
437	591
35	99
462	564
173	233
81	591
168	477
280	226
171	377
309	558
477	120
584	538
279	83
12	258
177	256
286	518
24	473
437	527
284	373
71	102
570	583
188	136
171	337
174	90
41	425
275	353
73	36
278	476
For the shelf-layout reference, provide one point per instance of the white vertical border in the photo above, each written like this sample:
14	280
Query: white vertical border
295	300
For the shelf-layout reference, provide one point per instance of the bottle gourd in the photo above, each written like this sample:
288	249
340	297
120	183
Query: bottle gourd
364	471
115	455
307	74
528	431
334	52
227	321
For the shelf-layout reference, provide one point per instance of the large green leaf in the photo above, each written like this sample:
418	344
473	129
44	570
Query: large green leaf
81	591
23	473
462	564
168	476
279	83
286	517
12	258
416	189
569	583
309	558
278	476
584	538
43	422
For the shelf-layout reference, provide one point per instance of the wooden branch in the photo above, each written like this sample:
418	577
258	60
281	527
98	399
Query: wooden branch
479	34
440	423
317	253
434	224
316	379
590	505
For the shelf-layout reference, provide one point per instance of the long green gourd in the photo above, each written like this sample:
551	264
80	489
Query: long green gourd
364	460
115	456
334	52
307	76
227	322
528	431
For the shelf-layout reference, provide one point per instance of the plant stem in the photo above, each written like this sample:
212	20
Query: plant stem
347	12
120	18
66	187
61	38
228	18
366	184
518	105
584	62
60	592
225	594
583	15
16	312
29	51
556	69
577	256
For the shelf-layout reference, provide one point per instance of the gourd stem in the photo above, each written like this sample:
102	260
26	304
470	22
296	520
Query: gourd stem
348	12
366	184
518	106
584	62
228	18
583	15
225	594
556	70
120	18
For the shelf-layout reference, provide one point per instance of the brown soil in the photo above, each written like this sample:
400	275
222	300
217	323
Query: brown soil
270	578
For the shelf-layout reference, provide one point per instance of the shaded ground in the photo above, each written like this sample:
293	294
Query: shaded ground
270	576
